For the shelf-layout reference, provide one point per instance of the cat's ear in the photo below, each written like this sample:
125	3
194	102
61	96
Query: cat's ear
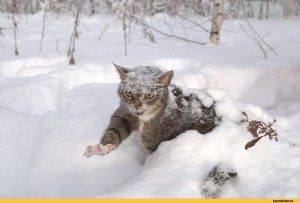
122	71
165	79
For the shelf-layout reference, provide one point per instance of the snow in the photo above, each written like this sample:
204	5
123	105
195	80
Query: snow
50	112
229	110
142	79
204	97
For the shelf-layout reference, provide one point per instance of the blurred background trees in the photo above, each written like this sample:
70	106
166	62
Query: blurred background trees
200	15
260	9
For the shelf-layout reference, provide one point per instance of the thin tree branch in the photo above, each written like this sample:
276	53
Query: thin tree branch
257	38
174	36
297	42
193	22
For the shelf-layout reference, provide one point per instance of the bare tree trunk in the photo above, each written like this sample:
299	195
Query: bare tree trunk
216	22
124	22
208	7
74	36
237	8
244	9
261	10
15	25
298	8
250	10
226	9
199	8
37	5
288	9
92	7
50	6
43	27
267	9
145	7
174	7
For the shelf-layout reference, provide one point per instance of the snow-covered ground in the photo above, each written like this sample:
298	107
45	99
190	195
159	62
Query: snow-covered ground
50	112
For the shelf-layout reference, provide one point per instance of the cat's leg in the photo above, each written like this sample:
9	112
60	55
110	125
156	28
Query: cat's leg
121	125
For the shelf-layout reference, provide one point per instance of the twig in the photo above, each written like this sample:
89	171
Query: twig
6	28
140	20
184	29
297	42
74	36
175	36
259	129
261	43
56	47
193	22
167	34
257	38
168	25
103	31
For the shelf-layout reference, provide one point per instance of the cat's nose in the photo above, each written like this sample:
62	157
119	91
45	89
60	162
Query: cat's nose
137	104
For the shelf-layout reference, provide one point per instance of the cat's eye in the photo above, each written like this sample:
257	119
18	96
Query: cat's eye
128	94
149	96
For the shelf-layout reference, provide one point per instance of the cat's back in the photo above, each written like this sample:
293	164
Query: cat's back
190	102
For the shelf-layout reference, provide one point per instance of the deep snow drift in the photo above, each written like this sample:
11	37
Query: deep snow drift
50	111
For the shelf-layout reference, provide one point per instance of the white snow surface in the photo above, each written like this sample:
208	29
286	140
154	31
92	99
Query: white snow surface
50	112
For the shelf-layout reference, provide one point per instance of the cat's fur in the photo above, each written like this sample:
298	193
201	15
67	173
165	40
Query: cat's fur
217	178
169	113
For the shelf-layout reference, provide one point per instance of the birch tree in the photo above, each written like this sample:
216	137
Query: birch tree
216	22
125	25
287	9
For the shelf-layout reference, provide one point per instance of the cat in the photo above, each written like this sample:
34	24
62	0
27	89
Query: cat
159	110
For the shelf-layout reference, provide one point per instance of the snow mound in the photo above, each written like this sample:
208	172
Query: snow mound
30	66
50	112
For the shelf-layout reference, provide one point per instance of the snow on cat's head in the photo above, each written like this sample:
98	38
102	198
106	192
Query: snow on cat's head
144	90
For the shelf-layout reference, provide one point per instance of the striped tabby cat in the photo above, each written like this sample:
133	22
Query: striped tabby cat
159	110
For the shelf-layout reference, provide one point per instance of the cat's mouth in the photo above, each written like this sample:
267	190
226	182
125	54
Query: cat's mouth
136	112
139	113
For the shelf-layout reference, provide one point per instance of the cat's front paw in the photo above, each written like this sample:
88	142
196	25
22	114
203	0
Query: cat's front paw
98	149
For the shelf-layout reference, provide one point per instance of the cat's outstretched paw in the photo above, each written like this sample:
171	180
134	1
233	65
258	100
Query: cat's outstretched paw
98	149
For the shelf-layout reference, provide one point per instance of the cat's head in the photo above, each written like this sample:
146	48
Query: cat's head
144	90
